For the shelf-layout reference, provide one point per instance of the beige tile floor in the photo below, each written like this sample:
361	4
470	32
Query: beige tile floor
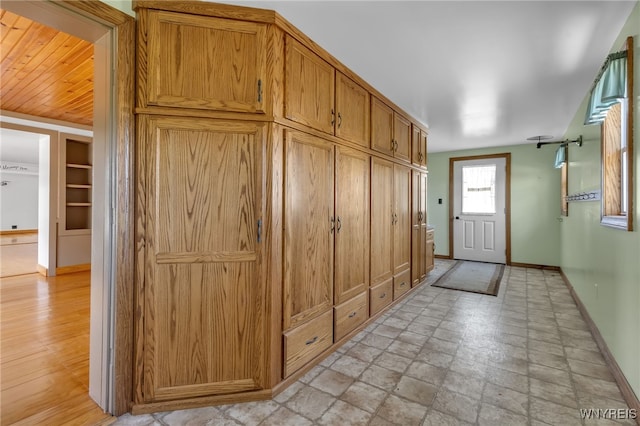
444	357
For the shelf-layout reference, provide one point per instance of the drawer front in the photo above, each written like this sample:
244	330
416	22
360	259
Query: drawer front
429	235
349	315
381	296
305	342
401	284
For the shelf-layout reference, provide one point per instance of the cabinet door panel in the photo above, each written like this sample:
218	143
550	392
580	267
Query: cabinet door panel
382	219
352	224
416	250
415	146
352	106
381	127
309	88
205	63
204	305
402	137
308	228
402	226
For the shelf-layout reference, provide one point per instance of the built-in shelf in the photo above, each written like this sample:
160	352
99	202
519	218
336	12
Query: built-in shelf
77	184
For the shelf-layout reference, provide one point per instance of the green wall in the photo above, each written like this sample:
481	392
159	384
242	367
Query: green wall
122	5
535	202
592	254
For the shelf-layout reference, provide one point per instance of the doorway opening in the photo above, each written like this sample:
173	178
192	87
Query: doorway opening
479	208
82	20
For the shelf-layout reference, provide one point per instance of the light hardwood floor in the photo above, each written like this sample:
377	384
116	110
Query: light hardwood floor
18	254
44	351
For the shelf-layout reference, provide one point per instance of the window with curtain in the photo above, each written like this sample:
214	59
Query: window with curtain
609	107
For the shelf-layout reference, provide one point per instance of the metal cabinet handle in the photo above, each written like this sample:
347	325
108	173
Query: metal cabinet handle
383	295
311	341
402	284
339	224
333	117
333	224
352	314
339	120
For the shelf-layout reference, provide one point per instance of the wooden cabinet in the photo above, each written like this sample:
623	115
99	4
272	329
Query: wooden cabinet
382	221
350	314
390	131
309	88
352	224
304	343
402	219
352	106
203	295
420	251
402	137
202	62
260	242
419	147
381	127
309	226
430	251
76	183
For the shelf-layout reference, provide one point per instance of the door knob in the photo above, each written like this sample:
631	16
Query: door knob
457	217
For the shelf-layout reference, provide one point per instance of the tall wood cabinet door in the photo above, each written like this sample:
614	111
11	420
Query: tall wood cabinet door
402	137
416	228
204	307
381	127
309	86
205	63
402	218
352	224
423	149
309	225
352	109
382	220
415	146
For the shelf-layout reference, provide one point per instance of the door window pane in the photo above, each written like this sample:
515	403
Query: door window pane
479	189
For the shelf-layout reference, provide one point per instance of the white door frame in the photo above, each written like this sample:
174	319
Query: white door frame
507	157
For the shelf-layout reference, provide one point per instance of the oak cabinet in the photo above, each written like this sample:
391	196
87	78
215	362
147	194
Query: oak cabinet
309	226
353	110
380	296
382	221
390	131
202	62
202	295
350	314
419	147
352	223
402	137
304	343
420	251
308	88
430	251
402	219
401	284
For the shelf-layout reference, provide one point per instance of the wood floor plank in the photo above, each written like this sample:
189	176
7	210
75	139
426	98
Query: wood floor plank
44	351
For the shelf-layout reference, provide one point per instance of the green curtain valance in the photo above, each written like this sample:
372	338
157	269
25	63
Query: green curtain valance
561	156
609	89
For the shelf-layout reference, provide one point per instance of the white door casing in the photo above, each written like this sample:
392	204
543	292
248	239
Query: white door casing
479	210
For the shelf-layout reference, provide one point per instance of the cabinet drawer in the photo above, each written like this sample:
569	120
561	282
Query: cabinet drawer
401	284
349	315
429	235
303	343
381	296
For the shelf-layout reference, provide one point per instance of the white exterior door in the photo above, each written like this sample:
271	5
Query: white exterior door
479	210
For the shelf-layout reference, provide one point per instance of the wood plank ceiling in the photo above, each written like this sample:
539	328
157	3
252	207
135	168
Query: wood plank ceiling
44	72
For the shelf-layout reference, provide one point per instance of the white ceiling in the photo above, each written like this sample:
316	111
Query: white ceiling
478	73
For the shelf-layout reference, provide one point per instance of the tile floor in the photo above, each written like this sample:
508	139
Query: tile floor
444	357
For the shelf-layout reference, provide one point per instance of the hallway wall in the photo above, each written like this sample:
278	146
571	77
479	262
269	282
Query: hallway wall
594	254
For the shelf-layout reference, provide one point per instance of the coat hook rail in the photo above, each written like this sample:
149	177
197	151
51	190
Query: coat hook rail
565	142
584	196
